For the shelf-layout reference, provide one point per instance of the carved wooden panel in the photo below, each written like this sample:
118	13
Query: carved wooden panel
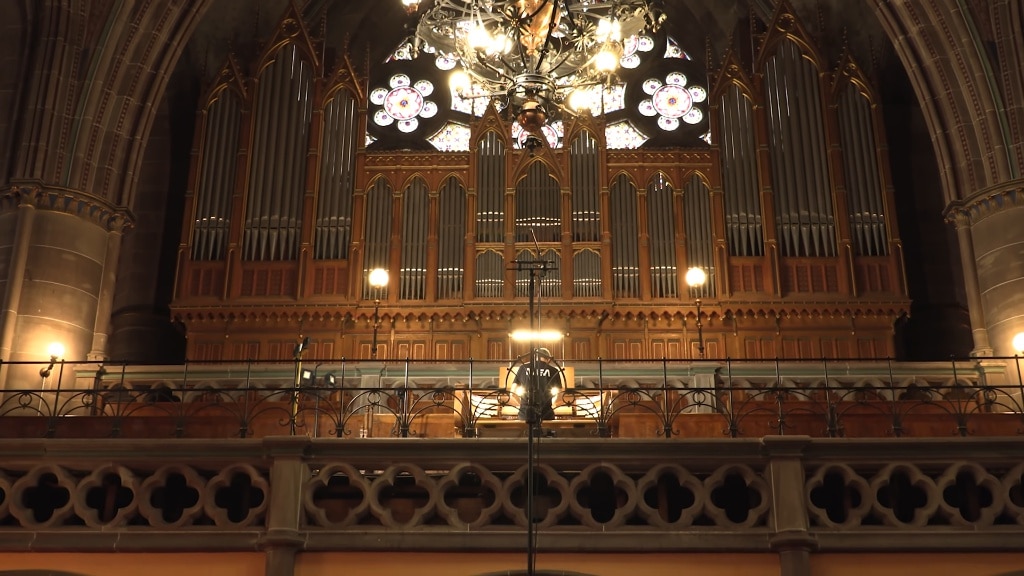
874	275
810	276
267	279
205	279
329	279
746	275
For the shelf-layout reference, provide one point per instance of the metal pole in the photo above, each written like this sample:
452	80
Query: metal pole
376	327
700	332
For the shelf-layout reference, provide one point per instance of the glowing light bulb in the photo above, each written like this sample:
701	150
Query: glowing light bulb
479	38
607	60
460	83
1018	342
55	350
696	277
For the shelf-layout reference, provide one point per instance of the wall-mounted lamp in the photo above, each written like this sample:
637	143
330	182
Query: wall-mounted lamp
329	380
56	352
378	279
1018	343
695	279
300	348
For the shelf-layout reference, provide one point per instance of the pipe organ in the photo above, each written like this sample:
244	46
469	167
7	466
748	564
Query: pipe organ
786	204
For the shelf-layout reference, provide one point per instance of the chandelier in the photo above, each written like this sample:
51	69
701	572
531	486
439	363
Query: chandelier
531	56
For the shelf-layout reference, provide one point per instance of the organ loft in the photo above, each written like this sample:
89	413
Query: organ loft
766	166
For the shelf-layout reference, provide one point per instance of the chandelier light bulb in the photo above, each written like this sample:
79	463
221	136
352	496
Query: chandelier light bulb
479	38
607	60
579	100
460	82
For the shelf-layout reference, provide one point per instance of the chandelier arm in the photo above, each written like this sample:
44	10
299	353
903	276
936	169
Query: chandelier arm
551	31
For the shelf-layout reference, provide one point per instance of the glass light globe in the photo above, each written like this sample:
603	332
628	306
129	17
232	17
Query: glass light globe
696	277
1018	342
378	277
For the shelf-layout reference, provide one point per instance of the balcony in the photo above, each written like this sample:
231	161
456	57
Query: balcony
654	456
596	399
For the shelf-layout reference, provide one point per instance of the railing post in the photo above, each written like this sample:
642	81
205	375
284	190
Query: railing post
897	421
468	413
831	417
666	418
785	473
288	473
603	429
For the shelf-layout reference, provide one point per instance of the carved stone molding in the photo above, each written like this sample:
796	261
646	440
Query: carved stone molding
987	202
76	203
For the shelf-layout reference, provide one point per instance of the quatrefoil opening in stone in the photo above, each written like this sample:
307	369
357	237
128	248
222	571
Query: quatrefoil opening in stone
171	497
837	497
737	497
107	497
42	498
670	496
603	496
403	496
550	496
969	495
471	496
904	496
336	496
237	496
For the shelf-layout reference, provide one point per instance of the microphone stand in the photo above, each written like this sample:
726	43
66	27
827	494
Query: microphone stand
537	270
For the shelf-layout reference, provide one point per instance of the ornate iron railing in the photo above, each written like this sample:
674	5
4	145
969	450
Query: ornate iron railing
343	399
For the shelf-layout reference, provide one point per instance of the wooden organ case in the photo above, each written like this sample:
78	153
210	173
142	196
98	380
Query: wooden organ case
788	208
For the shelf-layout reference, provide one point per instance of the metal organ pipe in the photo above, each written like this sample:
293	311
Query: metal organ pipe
854	171
822	186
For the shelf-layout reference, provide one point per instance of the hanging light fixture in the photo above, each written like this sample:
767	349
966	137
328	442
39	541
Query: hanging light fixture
529	56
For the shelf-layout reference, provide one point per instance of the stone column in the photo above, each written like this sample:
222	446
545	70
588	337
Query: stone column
973	293
990	226
55	278
20	222
108	282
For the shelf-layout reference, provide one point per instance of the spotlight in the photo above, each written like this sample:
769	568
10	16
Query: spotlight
329	380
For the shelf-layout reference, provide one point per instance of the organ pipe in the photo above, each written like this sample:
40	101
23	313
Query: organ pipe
867	215
585	170
217	178
625	234
277	172
413	272
451	238
800	171
699	239
661	232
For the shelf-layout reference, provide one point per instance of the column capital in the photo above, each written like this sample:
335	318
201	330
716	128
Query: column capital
74	202
986	202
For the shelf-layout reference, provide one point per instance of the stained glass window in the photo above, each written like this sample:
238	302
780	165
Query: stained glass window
632	45
623	135
452	137
672	100
403	103
552	134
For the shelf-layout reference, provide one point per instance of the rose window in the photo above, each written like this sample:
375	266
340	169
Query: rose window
672	100
403	103
632	45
